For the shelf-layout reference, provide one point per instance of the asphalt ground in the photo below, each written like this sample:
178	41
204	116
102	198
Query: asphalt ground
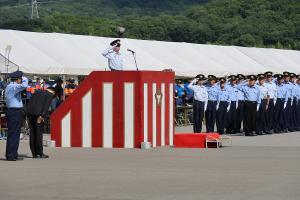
255	168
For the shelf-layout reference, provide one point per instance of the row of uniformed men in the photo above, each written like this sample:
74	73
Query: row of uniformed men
262	104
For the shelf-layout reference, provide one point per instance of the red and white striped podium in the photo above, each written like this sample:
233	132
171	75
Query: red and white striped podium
117	110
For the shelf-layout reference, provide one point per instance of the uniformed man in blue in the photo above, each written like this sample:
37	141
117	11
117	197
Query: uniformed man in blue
179	90
200	101
223	106
280	104
264	96
288	107
232	113
252	103
298	103
211	111
240	107
115	60
271	86
293	116
189	94
14	113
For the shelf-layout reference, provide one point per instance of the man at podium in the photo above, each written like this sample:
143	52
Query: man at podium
115	61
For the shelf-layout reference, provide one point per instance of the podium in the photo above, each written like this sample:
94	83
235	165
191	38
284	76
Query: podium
117	110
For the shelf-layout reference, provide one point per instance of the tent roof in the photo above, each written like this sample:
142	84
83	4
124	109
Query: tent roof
54	53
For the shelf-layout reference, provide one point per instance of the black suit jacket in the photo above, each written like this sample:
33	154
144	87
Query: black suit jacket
39	103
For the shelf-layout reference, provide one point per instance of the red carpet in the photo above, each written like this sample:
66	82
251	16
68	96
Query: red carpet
193	140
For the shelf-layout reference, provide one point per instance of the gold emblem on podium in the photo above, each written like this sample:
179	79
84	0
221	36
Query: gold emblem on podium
158	97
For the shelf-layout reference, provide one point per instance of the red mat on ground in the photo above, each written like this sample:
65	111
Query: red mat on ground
193	140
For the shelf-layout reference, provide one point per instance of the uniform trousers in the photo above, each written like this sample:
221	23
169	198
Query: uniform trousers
278	117
293	120
239	116
250	117
210	116
36	136
198	114
14	124
298	115
287	115
221	117
269	116
260	117
231	118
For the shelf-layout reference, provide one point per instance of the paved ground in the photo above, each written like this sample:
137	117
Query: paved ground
259	168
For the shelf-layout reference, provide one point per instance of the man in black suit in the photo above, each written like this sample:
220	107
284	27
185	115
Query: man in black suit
37	109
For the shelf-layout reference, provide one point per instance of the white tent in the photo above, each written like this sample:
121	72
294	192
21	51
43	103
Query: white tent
53	53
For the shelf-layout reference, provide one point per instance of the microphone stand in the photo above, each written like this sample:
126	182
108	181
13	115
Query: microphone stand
134	57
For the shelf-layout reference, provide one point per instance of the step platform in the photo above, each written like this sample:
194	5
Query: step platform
195	140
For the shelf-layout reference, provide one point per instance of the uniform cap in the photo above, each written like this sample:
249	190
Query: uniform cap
113	43
286	74
278	76
16	74
240	76
200	77
293	75
261	76
269	73
222	80
212	77
233	77
252	77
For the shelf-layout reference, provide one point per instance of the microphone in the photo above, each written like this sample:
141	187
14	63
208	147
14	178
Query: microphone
130	51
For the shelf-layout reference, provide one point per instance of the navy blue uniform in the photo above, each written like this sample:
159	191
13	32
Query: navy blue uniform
272	88
288	107
211	111
281	101
252	101
260	116
14	117
222	109
199	105
232	113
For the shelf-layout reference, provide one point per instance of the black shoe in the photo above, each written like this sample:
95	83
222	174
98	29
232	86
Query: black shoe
19	158
35	156
248	134
268	132
238	131
11	159
258	133
43	156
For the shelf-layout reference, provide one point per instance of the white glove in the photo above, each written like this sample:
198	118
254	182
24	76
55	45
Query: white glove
236	104
284	105
217	106
257	108
274	102
228	108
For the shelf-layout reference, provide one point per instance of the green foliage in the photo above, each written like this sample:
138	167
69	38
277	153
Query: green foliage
260	23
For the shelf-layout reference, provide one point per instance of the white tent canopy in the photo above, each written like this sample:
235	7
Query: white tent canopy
53	53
